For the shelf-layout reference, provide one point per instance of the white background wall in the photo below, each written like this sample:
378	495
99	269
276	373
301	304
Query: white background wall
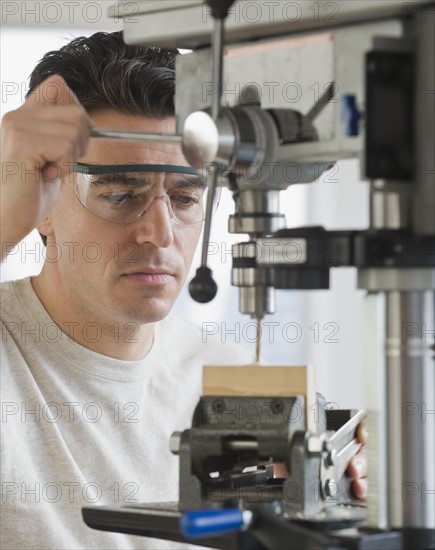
340	204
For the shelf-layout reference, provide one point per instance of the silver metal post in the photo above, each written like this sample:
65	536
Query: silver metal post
400	400
411	408
217	71
389	209
135	136
375	401
212	178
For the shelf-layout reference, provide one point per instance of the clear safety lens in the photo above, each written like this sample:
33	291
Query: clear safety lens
124	197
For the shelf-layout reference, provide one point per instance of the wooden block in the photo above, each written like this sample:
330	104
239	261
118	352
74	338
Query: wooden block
263	381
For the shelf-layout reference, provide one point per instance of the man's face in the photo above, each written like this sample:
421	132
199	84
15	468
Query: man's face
123	272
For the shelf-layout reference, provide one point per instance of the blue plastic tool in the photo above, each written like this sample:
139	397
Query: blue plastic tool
209	523
350	115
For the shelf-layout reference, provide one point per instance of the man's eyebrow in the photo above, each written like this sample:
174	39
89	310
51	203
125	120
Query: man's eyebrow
121	179
129	180
188	182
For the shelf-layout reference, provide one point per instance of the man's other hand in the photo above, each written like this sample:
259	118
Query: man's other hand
357	469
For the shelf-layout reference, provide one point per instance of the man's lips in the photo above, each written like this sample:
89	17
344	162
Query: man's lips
150	276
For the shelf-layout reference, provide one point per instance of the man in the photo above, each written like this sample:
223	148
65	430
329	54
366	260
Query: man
96	374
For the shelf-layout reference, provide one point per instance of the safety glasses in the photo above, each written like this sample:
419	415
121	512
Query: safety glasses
125	193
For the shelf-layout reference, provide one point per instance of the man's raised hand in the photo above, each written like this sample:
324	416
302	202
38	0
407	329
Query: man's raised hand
40	142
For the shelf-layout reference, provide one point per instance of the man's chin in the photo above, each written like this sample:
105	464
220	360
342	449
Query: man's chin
150	313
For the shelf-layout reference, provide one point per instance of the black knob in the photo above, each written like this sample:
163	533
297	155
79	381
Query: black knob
220	8
202	287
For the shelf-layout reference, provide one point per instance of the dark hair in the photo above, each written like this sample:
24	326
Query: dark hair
105	73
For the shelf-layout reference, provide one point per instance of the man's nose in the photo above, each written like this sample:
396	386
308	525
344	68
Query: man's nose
156	225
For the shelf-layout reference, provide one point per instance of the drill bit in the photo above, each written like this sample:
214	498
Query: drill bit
258	341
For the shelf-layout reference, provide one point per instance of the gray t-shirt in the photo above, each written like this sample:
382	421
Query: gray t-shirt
80	428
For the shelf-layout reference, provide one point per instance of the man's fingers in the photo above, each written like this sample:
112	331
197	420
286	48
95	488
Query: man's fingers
362	433
360	488
35	120
53	91
358	465
56	133
48	130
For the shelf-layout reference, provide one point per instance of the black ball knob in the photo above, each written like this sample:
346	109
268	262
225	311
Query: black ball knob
220	8
202	287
